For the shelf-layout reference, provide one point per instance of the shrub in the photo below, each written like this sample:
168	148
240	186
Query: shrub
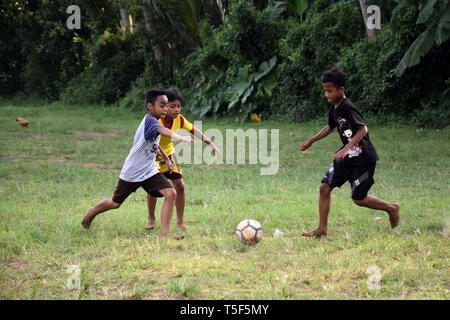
135	97
114	66
235	70
371	80
309	49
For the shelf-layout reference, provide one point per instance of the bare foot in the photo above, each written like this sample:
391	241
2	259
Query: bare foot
176	237
394	215
183	227
315	233
150	225
86	222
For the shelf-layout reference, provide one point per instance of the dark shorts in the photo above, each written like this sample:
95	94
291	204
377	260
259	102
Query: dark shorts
359	177
173	175
152	186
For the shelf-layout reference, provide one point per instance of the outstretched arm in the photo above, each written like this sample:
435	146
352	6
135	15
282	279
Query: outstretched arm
320	135
206	140
170	134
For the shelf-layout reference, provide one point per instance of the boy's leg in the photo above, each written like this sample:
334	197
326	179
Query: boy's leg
362	181
102	206
123	190
180	202
324	209
158	186
170	196
392	209
336	176
151	205
151	202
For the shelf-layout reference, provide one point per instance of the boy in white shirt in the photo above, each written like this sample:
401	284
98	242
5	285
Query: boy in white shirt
139	169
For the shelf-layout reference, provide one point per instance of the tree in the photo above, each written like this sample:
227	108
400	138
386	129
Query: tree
12	60
127	21
173	28
365	4
437	32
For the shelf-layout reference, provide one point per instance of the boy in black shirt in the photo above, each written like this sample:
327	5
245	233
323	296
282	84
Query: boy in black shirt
354	162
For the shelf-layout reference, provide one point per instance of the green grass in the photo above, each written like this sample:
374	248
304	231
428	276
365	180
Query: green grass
70	158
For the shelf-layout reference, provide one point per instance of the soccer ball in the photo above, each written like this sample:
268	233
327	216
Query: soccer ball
249	231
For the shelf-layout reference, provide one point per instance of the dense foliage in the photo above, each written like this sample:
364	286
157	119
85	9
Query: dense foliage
231	58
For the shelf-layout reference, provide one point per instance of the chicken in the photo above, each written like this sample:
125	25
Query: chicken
255	117
22	122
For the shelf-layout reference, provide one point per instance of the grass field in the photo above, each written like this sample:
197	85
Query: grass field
70	158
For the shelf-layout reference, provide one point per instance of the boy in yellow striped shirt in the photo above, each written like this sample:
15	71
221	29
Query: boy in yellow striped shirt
172	171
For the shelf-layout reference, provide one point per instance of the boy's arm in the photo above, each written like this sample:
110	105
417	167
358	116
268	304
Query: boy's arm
164	155
340	155
170	134
206	140
320	135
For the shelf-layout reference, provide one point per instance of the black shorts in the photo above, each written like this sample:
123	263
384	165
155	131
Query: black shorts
173	175
359	177
152	185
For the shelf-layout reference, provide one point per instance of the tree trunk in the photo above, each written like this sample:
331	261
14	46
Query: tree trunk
148	25
221	10
127	22
364	4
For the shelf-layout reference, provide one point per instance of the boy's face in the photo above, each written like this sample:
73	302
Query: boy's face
159	108
332	93
173	110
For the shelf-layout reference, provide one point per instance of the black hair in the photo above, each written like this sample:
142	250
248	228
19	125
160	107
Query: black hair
153	94
173	94
336	76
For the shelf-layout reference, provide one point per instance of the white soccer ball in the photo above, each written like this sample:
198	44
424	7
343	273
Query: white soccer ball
249	231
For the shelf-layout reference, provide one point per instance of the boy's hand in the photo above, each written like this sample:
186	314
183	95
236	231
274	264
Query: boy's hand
169	165
304	146
340	155
214	150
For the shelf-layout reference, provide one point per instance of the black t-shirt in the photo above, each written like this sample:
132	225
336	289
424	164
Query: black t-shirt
347	119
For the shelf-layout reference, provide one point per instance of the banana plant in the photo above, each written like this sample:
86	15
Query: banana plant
249	86
244	90
209	93
274	9
294	7
297	7
437	32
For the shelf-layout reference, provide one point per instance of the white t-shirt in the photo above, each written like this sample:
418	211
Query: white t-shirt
140	163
